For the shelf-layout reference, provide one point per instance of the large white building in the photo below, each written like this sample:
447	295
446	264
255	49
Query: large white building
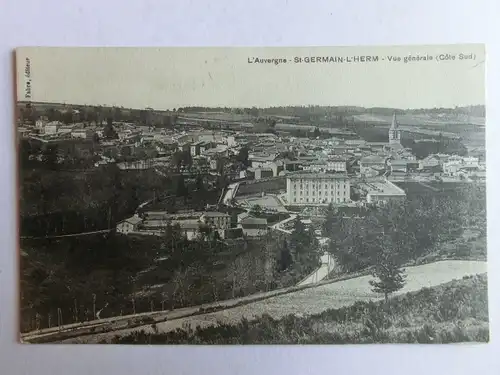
317	189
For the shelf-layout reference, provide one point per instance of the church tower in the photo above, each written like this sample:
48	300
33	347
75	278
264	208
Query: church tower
394	132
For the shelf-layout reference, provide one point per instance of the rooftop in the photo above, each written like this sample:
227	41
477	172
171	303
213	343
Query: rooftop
215	214
188	224
323	176
372	159
253	221
399	162
133	220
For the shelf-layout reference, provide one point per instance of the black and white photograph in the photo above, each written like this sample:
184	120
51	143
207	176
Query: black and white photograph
237	195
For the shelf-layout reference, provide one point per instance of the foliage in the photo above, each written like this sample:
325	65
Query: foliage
131	274
317	132
109	132
285	259
94	200
242	156
304	246
390	277
182	159
331	223
454	312
408	229
181	189
256	210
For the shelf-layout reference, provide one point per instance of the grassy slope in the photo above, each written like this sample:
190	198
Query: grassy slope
453	312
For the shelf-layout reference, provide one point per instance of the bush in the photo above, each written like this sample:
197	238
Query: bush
454	312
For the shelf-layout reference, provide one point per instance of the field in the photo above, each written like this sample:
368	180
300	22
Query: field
420	119
313	300
218	116
374	128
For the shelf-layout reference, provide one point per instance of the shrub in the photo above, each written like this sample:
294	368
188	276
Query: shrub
454	312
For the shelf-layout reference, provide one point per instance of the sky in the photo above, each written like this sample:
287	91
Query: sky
166	78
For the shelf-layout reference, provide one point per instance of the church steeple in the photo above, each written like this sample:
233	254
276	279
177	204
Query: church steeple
394	133
394	124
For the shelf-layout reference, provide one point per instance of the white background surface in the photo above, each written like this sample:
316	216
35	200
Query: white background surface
242	23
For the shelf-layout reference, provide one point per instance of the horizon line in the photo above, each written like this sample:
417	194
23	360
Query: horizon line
239	107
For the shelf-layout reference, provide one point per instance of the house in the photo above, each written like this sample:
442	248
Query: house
430	161
399	165
253	226
263	173
214	164
242	216
129	225
82	133
205	146
40	124
381	190
190	228
259	159
367	163
231	141
52	127
249	174
455	163
216	153
337	165
194	149
218	220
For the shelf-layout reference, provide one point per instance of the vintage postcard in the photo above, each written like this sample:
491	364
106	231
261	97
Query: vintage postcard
306	195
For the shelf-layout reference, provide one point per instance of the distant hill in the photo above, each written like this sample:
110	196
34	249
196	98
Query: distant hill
472	110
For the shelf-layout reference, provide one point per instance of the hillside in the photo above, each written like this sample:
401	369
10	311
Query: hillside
450	313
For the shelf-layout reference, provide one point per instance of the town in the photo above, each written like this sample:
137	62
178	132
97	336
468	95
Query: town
265	198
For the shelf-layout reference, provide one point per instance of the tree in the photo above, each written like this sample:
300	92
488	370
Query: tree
285	259
253	112
200	187
117	113
390	278
95	138
181	187
242	156
330	225
109	132
316	133
256	210
67	117
50	155
303	244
